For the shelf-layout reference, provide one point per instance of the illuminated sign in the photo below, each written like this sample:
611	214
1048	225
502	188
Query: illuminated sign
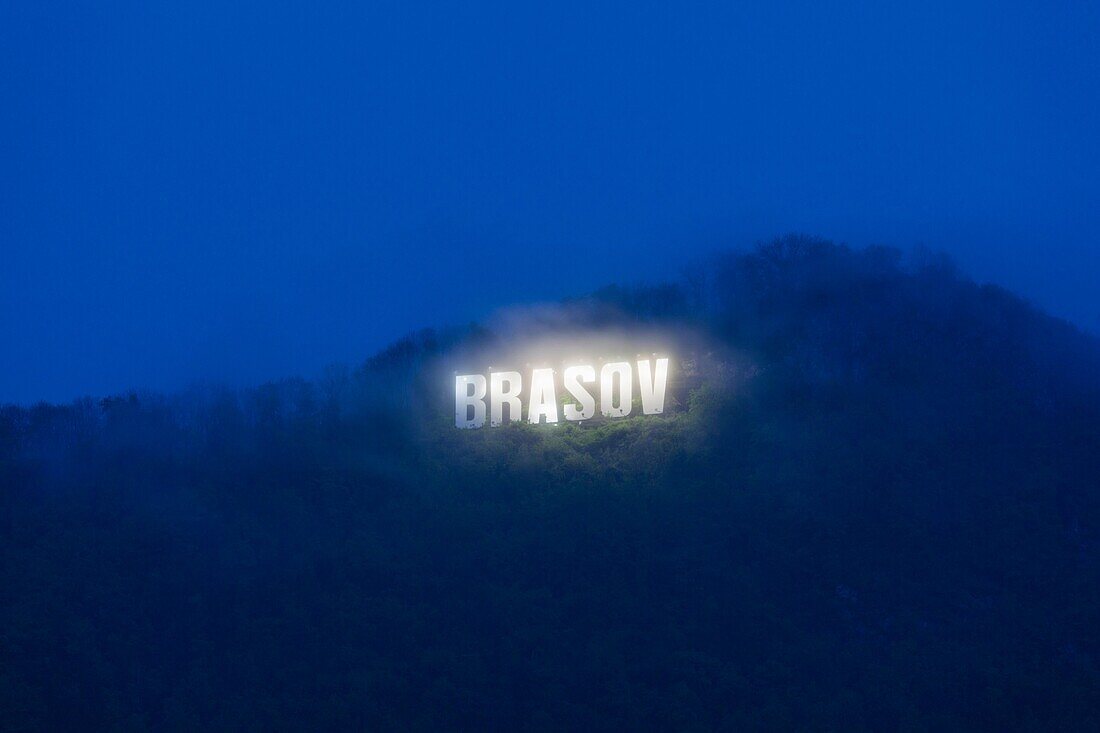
505	392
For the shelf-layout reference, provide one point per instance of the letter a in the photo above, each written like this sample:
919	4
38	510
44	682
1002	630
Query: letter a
544	400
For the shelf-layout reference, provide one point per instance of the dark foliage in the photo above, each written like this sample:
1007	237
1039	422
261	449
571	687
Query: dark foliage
877	507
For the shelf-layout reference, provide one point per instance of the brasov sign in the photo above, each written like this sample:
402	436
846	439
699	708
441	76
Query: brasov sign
506	389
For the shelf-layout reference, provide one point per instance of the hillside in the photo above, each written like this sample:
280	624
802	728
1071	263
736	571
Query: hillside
874	506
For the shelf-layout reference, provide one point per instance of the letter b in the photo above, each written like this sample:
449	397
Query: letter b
464	400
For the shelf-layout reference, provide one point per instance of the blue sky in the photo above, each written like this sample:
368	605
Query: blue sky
243	191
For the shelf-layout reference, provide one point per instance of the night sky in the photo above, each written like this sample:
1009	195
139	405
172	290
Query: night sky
245	191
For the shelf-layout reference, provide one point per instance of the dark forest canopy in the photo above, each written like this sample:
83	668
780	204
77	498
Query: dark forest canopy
875	506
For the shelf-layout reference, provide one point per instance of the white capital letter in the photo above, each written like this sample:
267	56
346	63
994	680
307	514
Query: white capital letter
499	396
626	389
544	399
464	401
652	389
574	375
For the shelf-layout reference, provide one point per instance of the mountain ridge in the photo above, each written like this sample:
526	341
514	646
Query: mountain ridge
877	505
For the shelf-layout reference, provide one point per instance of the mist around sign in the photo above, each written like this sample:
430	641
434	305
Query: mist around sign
504	391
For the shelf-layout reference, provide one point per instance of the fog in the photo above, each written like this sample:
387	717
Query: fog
241	194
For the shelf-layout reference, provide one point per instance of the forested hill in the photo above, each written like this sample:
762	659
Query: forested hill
873	505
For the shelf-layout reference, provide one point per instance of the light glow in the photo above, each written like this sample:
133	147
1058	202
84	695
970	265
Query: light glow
543	401
616	393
